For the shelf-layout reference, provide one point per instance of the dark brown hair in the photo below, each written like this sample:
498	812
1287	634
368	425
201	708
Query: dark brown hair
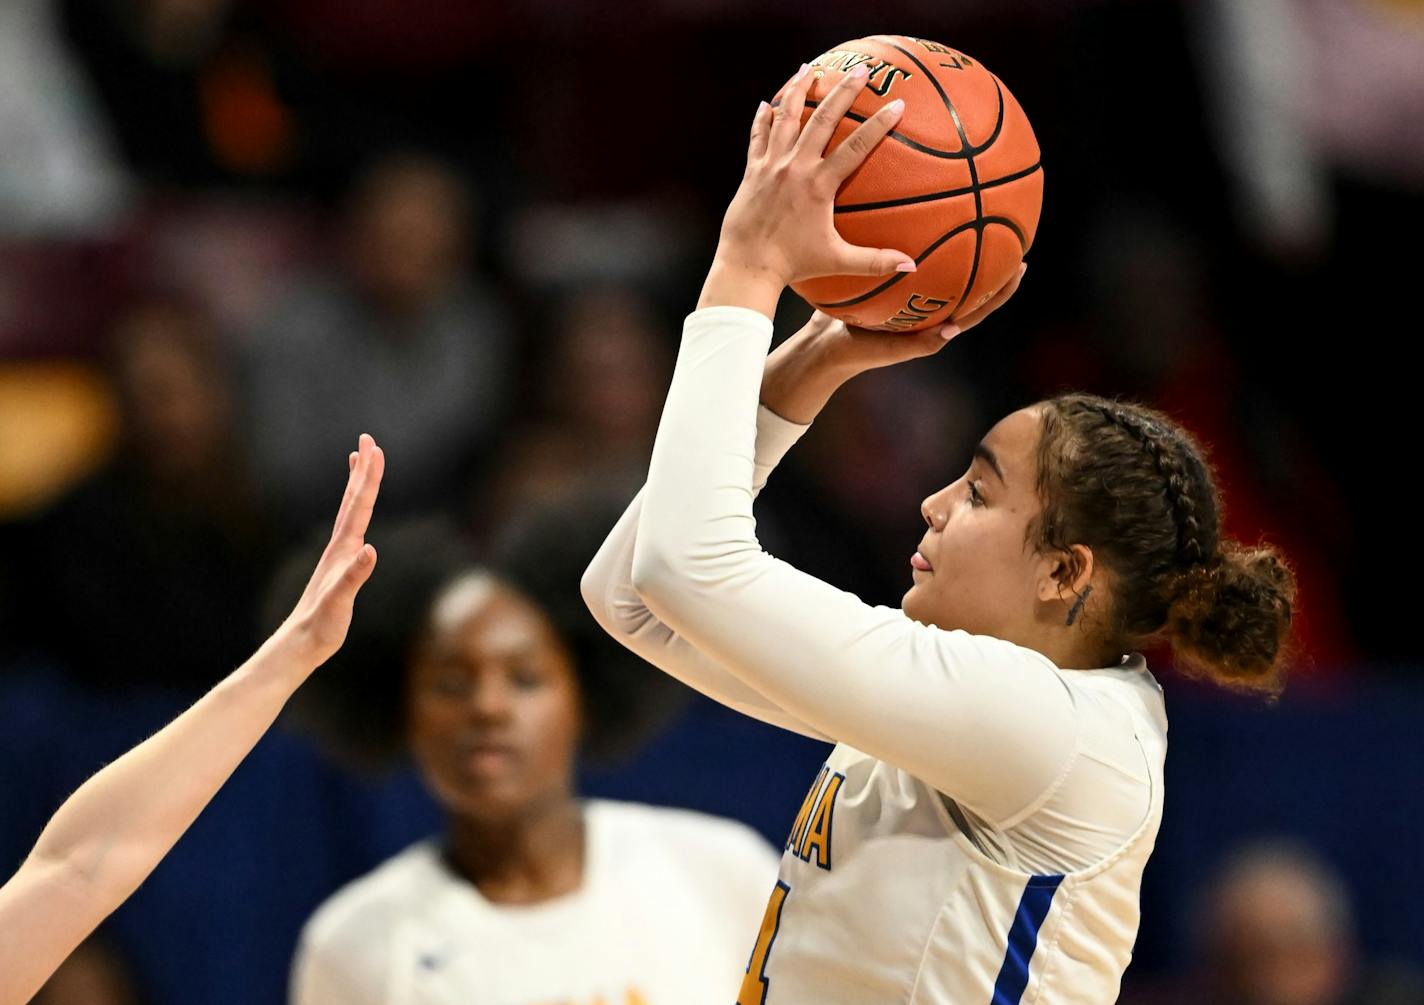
1136	488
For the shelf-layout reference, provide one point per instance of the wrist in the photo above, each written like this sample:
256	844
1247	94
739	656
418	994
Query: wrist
741	280
286	659
801	376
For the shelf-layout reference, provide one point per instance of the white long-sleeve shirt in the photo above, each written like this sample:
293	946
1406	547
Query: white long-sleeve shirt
979	832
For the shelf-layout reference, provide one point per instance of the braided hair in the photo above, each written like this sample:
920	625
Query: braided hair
1134	487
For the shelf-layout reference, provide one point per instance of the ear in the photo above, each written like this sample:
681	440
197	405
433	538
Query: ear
1065	573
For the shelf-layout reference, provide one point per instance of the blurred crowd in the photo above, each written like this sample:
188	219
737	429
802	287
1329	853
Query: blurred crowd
236	233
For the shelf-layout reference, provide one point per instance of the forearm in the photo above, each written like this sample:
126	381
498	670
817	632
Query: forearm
116	827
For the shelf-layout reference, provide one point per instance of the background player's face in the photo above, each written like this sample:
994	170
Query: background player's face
493	706
984	572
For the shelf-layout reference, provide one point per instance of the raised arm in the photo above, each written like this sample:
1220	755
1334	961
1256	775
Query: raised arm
608	590
983	720
111	833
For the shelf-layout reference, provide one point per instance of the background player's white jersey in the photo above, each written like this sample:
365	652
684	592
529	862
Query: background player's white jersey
667	911
979	833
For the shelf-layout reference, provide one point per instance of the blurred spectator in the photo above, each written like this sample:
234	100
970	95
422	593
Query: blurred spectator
94	974
196	90
394	339
1277	929
149	570
598	392
58	174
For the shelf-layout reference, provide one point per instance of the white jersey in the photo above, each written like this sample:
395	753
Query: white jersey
979	832
667	911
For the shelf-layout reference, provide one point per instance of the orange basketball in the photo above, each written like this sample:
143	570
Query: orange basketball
957	184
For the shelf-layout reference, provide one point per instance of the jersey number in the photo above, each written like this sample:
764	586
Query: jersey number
755	984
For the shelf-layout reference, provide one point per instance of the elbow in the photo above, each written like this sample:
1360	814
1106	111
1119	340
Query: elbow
655	575
591	588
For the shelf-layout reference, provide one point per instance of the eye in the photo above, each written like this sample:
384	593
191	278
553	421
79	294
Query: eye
526	677
975	499
450	683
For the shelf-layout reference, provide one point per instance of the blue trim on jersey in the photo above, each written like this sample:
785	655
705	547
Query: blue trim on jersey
1023	937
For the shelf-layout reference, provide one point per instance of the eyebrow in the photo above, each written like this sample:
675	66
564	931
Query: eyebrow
983	452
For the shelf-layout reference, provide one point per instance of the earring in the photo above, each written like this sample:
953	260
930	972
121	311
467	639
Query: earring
1078	604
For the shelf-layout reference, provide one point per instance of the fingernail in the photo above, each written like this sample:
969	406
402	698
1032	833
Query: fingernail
858	71
897	106
761	107
948	332
802	72
906	267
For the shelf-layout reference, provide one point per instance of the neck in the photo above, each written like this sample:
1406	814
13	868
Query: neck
534	857
1075	649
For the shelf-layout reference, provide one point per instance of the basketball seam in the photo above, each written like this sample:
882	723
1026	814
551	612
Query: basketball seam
977	225
910	200
973	170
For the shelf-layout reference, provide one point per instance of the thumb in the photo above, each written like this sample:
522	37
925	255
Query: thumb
853	261
353	577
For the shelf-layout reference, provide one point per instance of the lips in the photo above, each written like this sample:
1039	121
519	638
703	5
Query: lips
486	758
920	563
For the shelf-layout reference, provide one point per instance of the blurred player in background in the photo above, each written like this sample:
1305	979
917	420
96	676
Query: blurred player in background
980	830
530	895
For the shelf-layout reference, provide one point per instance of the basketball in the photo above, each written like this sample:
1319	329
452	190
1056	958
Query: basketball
957	185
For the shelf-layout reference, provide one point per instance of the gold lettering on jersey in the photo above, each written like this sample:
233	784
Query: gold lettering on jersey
817	841
882	74
812	831
803	815
916	309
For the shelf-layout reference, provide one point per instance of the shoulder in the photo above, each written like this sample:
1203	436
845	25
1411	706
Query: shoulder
372	903
688	831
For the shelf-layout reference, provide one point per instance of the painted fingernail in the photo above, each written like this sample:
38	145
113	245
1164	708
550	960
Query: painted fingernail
948	332
906	267
802	72
761	107
897	106
858	72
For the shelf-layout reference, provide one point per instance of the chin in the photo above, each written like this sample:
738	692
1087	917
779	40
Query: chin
913	606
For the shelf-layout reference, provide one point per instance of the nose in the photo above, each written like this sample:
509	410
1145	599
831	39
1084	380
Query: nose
935	509
489	699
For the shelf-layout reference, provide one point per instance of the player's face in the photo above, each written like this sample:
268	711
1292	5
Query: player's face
974	568
494	707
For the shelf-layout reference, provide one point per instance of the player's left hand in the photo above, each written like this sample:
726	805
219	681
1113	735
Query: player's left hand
859	349
780	226
804	372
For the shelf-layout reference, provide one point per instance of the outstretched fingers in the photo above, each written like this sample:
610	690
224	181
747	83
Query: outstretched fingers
786	126
354	517
851	154
829	113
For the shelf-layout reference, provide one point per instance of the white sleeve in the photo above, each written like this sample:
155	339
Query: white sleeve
986	722
607	588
